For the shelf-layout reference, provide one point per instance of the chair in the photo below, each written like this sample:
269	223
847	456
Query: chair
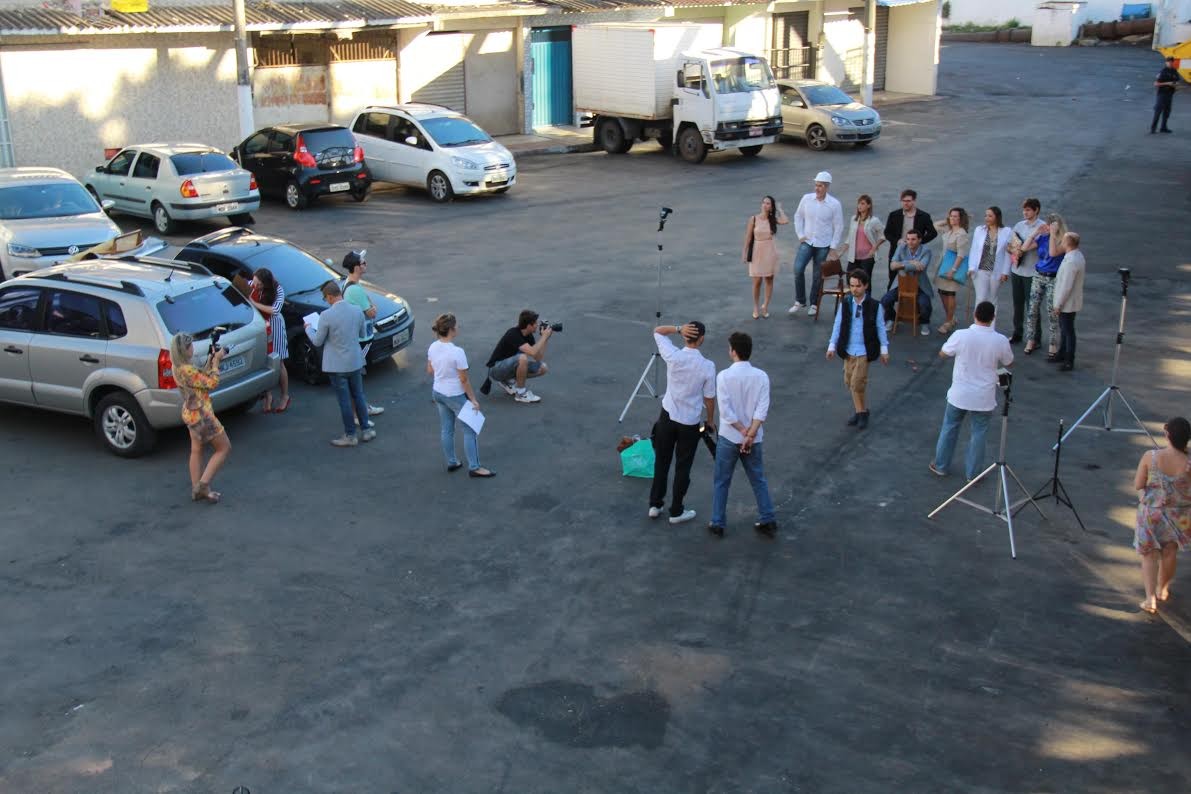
907	302
831	269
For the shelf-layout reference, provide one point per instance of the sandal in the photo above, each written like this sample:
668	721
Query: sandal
1030	348
203	493
268	403
756	315
284	404
1147	608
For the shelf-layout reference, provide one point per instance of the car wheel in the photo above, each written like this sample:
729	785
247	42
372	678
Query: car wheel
750	151
162	220
305	355
295	199
816	137
362	195
121	425
691	146
440	187
241	219
862	143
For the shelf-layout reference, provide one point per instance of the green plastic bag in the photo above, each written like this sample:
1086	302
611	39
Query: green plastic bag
637	460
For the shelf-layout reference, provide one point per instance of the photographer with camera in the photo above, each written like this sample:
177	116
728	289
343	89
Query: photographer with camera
979	353
195	385
518	355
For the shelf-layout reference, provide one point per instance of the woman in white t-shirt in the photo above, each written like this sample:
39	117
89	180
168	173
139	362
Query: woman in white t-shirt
452	391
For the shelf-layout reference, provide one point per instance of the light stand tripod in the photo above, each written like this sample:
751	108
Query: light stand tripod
1005	512
1113	389
1054	486
655	357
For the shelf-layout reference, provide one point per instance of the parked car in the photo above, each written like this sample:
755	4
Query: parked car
171	182
235	254
300	162
46	215
433	147
92	338
822	114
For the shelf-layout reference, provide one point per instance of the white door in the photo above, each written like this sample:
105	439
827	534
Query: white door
18	313
373	131
112	182
414	160
141	183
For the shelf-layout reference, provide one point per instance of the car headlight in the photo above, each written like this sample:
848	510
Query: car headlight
16	249
840	121
464	163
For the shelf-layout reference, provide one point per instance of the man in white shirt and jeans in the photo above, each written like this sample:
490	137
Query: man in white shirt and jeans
819	223
690	388
979	352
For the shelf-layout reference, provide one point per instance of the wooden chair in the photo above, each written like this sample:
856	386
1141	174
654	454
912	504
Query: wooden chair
907	302
831	269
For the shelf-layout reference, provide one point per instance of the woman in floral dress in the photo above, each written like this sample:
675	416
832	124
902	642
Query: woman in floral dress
196	385
1163	511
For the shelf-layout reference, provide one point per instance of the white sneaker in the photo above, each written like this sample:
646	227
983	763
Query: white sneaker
924	331
344	441
369	425
812	311
526	396
889	325
654	512
794	309
368	435
687	515
510	386
375	410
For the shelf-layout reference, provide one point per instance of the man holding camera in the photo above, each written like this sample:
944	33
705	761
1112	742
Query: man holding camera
979	352
690	388
518	356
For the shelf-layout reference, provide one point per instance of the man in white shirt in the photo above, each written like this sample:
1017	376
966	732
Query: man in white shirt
690	388
819	223
743	394
979	352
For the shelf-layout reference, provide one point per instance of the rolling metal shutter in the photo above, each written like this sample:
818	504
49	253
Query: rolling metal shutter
448	88
882	48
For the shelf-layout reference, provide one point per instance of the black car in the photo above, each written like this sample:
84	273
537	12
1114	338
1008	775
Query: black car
300	162
236	253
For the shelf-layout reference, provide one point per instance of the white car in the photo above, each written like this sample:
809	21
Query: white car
433	147
46	216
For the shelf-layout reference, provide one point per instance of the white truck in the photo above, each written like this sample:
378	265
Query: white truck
672	82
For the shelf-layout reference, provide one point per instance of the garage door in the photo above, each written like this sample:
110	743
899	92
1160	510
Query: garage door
882	48
432	66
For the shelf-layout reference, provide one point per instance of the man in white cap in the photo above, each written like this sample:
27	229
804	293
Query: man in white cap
819	223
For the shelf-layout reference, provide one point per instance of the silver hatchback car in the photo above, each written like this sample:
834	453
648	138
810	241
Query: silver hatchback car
92	339
822	114
170	182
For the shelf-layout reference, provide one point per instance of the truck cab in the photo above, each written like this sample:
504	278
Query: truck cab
724	98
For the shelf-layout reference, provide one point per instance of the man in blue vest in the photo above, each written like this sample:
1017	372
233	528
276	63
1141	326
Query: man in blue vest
860	323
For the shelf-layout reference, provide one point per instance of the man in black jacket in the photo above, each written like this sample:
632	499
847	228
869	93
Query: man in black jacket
858	336
1166	81
901	221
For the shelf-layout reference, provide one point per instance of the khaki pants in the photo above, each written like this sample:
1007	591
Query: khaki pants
856	377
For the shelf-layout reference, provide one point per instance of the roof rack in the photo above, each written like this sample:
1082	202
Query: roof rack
125	286
173	264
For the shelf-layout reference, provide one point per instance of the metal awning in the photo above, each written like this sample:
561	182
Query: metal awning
893	3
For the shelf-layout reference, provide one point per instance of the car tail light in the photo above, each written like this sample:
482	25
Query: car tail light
188	190
252	182
358	154
165	371
361	176
303	156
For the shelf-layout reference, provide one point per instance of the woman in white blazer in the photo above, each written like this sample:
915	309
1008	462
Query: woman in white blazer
988	258
865	235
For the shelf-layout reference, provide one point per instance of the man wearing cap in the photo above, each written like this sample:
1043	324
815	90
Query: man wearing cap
819	223
690	389
354	293
1166	81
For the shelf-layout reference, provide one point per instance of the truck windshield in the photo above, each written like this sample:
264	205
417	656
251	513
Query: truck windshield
741	75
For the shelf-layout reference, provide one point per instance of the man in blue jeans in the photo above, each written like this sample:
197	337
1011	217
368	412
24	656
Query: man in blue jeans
743	394
819	224
979	352
339	330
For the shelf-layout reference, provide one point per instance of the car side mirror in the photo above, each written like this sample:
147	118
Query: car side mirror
106	205
99	169
328	262
411	140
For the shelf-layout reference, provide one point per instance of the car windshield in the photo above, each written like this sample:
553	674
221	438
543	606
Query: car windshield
826	95
52	200
296	270
740	75
448	131
188	163
199	311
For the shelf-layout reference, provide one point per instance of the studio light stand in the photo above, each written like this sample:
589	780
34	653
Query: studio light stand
655	358
1002	510
1113	391
1054	486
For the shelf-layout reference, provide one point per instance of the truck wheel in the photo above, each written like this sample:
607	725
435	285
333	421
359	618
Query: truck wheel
691	146
816	137
750	151
611	138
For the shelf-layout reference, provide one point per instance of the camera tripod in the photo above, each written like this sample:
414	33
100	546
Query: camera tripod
655	358
1005	510
1113	390
1054	486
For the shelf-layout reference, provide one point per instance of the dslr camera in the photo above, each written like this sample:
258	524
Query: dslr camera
1004	378
216	333
544	324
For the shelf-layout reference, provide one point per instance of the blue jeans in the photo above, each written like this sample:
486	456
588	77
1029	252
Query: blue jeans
448	409
349	389
806	252
952	419
726	455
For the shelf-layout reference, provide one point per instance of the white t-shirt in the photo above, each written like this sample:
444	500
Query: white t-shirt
447	359
979	350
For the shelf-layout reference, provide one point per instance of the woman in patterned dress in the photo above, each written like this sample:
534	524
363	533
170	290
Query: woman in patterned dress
760	251
196	385
1163	511
954	232
268	297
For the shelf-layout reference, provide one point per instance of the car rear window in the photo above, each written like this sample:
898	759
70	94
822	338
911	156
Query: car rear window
198	311
330	138
189	163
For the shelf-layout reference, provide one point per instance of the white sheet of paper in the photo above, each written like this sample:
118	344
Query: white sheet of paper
471	417
311	318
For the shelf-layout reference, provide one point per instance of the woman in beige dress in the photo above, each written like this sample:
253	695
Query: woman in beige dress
759	242
954	234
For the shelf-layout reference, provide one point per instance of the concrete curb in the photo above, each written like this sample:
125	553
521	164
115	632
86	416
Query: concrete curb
553	148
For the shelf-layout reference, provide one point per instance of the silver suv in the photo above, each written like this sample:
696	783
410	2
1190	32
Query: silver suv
92	339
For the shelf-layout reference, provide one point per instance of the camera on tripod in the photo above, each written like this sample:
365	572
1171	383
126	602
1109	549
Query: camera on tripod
216	333
1004	378
1124	274
555	327
666	212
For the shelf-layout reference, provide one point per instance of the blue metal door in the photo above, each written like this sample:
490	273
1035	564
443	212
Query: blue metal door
550	49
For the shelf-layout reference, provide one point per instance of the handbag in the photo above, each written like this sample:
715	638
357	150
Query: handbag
638	460
961	270
749	258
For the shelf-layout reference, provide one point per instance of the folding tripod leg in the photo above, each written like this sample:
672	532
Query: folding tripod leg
641	381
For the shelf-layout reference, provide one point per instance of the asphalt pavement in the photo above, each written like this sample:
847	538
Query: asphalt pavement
362	621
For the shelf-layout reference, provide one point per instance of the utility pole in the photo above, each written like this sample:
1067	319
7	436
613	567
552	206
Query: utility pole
243	79
870	50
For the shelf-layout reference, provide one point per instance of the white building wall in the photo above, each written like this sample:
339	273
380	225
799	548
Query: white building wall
843	43
1056	24
913	62
988	12
69	100
355	84
283	94
1172	24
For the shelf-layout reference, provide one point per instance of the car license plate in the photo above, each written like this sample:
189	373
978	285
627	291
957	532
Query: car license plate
400	339
339	187
497	182
756	132
231	364
232	207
